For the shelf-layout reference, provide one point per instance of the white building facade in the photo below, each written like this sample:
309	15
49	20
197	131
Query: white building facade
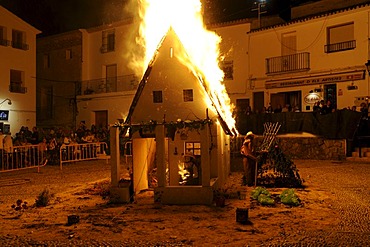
108	84
17	73
315	58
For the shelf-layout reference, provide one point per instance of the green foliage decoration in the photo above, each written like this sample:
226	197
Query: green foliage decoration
262	195
289	197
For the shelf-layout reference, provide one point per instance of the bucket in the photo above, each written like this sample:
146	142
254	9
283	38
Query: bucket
242	215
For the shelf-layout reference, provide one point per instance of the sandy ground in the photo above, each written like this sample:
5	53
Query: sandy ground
334	212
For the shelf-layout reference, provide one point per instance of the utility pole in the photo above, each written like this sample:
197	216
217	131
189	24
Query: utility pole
260	4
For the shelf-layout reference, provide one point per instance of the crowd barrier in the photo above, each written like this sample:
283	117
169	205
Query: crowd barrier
22	157
81	152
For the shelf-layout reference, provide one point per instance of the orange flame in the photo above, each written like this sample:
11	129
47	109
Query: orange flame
201	45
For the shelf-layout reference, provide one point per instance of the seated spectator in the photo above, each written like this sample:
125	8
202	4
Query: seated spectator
354	108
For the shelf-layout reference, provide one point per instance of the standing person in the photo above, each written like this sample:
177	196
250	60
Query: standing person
278	109
34	136
316	107
248	111
8	143
286	108
249	160
1	148
269	109
43	147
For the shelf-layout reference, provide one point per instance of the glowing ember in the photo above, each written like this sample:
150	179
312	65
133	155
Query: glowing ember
201	45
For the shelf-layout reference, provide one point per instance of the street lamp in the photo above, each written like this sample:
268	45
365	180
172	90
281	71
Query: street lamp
367	64
7	99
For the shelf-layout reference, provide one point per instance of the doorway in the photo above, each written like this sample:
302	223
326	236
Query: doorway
330	93
258	101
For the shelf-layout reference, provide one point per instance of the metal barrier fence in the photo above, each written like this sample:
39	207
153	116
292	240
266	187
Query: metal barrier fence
22	157
80	152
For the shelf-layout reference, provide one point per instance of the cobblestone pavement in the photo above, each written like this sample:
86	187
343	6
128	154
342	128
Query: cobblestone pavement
347	183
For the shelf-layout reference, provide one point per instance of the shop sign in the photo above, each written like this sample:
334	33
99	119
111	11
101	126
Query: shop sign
4	115
333	78
312	98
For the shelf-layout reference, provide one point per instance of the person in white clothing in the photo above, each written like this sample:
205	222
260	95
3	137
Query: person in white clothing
8	143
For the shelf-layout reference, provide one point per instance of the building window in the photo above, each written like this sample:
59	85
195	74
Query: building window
3	40
108	41
228	68
46	61
16	82
157	97
188	95
68	54
19	40
192	148
340	38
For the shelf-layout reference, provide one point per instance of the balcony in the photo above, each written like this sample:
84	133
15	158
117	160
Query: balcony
343	46
289	63
16	87
108	85
19	45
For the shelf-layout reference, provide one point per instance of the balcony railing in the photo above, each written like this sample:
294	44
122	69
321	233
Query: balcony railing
343	46
108	85
290	63
16	87
4	42
19	45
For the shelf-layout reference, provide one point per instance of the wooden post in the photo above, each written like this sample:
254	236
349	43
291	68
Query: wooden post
205	155
160	155
115	156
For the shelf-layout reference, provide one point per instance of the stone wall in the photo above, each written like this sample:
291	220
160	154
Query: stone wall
313	148
304	147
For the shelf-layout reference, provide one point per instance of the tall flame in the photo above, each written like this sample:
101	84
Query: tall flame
201	45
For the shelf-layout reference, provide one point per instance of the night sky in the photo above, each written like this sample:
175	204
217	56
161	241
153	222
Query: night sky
56	16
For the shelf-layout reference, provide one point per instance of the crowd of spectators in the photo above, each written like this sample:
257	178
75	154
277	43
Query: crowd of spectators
50	140
321	107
